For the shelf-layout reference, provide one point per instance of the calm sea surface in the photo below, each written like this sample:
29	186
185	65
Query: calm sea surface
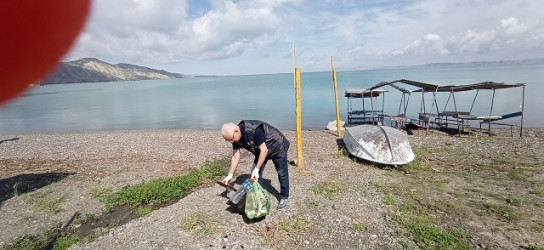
207	102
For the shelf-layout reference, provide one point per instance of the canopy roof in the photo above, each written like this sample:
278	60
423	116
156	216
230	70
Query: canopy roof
477	86
427	87
363	92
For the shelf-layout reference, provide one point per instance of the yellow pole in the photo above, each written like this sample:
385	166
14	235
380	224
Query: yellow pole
298	112
339	133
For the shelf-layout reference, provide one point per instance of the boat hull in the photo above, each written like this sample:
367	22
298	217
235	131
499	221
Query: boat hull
379	144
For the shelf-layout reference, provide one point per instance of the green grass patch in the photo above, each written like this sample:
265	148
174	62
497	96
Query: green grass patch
64	242
388	199
143	211
536	247
101	191
279	236
54	238
25	242
44	201
501	161
156	191
519	174
415	197
200	222
443	184
504	212
357	227
312	203
329	189
165	189
86	218
297	223
536	192
429	236
423	156
339	153
414	165
440	186
513	201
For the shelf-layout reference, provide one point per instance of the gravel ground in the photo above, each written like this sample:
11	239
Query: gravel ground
95	161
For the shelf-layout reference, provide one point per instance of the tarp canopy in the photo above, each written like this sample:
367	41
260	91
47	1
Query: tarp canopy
359	93
476	86
427	87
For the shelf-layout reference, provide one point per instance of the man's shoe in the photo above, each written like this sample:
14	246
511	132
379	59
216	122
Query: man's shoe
282	203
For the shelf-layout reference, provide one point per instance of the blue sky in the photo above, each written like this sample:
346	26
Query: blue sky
216	37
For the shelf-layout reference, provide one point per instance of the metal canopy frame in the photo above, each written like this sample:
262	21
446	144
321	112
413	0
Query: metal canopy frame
363	94
433	88
488	85
421	87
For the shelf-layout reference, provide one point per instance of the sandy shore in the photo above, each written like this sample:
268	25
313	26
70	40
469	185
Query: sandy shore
74	165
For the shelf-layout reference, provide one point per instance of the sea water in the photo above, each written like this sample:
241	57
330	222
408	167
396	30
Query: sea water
207	102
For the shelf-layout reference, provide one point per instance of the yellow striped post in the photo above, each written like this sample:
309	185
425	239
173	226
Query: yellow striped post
339	133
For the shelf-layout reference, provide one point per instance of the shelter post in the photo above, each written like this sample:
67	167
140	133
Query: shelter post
491	111
456	111
522	111
371	106
431	112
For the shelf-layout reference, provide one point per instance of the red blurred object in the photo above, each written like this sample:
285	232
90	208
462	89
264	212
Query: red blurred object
35	36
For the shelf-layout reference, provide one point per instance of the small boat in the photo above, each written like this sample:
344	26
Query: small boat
379	144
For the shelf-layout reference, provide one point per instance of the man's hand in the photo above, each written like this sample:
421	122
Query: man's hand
255	174
227	179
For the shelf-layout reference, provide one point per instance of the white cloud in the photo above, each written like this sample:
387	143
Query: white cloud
512	27
431	37
233	36
429	45
153	31
473	41
230	29
508	36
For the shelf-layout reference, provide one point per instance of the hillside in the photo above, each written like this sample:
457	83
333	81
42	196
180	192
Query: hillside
94	70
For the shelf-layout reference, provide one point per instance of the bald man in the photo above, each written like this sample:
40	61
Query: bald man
265	142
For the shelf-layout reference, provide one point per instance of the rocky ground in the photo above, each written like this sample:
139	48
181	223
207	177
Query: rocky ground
489	188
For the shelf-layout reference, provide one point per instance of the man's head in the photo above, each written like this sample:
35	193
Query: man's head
231	132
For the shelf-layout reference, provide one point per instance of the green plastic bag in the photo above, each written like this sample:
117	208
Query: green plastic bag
257	201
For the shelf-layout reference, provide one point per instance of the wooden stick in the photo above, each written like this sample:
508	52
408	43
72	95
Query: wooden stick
227	186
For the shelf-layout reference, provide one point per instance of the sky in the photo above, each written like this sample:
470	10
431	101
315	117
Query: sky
244	37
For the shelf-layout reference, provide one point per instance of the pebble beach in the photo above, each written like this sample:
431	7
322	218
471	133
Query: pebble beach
88	161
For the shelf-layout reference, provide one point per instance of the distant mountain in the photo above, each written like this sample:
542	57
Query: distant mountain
94	70
483	63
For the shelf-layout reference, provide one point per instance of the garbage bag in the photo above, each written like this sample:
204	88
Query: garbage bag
257	201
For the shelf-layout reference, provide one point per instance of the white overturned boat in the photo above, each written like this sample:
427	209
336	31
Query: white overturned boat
379	144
